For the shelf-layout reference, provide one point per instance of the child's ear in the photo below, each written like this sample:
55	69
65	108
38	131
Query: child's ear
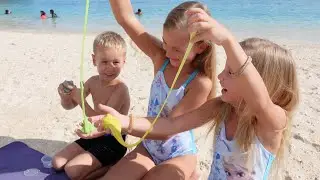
201	47
94	59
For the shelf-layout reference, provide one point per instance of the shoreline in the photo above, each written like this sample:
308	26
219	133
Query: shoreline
282	33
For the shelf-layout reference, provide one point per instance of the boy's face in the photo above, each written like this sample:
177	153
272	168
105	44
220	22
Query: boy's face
109	62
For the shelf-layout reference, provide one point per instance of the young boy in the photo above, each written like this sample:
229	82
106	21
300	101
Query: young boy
85	156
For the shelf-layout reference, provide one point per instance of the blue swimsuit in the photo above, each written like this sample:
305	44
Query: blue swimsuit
179	144
230	163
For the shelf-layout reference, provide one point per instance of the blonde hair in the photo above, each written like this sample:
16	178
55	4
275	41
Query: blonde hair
277	69
109	39
206	61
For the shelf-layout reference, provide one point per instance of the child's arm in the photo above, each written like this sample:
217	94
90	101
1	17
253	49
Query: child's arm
149	44
76	97
125	96
250	84
164	127
67	103
253	89
196	95
66	99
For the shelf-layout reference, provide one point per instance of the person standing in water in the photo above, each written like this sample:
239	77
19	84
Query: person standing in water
53	14
7	11
139	12
43	15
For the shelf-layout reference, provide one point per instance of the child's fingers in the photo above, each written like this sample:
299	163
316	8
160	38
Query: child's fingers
100	129
98	124
89	136
192	11
198	17
60	88
96	134
199	37
95	119
106	109
81	134
199	27
203	13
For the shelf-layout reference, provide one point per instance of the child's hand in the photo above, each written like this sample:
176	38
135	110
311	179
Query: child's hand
92	135
206	27
62	93
76	95
65	89
98	122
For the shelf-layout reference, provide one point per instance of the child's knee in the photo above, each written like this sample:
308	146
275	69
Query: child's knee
58	163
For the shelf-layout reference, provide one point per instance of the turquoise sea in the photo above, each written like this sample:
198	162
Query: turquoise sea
298	19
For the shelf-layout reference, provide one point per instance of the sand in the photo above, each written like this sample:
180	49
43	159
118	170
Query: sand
33	64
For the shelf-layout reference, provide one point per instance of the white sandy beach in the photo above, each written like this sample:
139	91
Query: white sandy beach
33	64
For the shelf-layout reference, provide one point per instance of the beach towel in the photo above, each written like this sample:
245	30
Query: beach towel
20	162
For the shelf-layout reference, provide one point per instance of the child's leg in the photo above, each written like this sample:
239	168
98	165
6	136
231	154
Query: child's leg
65	155
180	167
101	152
98	173
81	166
132	167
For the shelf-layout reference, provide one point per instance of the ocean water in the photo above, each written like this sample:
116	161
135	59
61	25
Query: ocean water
298	19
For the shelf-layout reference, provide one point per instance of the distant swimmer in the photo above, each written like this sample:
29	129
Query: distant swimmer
7	11
43	15
53	14
139	12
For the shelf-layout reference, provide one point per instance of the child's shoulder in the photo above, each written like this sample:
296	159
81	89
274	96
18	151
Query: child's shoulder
201	84
93	79
121	91
201	81
121	87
